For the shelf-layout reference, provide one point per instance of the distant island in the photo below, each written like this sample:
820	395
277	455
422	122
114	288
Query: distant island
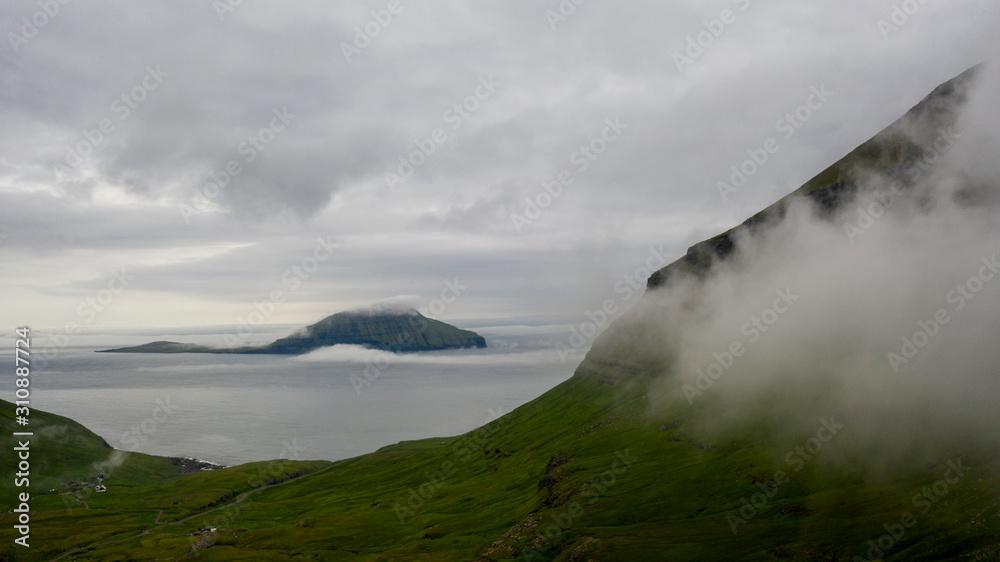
389	329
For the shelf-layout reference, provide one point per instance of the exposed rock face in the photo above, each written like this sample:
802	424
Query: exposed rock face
631	345
891	152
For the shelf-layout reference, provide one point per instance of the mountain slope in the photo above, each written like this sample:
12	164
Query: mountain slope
66	462
591	471
892	152
165	347
582	473
63	450
386	329
398	331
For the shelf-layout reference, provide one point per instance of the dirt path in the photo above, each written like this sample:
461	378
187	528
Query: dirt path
159	513
79	499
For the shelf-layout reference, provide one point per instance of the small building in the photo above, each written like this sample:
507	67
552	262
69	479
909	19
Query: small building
100	488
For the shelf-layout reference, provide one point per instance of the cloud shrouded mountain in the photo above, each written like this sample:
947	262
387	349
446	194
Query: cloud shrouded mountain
871	295
823	388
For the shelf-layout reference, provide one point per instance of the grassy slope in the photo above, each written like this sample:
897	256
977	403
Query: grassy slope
164	347
410	331
399	332
543	464
551	461
62	450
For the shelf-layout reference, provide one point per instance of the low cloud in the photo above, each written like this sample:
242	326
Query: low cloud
399	304
884	316
365	355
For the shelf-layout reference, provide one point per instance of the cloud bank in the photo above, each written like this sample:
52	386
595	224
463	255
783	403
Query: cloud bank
207	151
884	315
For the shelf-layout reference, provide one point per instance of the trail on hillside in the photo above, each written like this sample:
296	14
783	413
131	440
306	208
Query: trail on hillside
159	513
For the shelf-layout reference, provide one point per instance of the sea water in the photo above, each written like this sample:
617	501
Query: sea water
231	409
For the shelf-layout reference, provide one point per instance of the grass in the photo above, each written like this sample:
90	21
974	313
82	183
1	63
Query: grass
588	471
553	466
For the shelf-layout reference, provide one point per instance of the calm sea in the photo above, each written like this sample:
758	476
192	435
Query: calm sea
231	409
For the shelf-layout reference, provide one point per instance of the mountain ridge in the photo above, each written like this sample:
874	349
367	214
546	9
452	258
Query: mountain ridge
390	329
587	471
892	150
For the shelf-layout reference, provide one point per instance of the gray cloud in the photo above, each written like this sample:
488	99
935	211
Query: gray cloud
883	316
324	174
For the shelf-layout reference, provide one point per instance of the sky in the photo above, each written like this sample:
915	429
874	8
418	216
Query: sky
881	314
172	164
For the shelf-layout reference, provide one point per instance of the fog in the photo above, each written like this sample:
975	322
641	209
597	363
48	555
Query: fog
883	316
399	304
384	359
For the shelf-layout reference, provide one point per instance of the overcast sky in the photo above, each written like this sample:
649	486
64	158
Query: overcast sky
310	105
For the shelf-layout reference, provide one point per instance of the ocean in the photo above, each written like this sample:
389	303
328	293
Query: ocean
232	409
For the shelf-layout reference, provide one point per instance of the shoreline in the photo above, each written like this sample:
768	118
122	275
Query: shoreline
190	465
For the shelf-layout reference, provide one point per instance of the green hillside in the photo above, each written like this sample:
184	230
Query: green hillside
582	473
400	331
68	461
390	330
164	347
64	451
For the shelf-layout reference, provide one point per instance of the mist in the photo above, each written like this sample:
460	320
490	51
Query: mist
883	315
348	353
399	304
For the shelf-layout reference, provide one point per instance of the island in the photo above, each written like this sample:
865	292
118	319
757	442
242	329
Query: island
389	329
